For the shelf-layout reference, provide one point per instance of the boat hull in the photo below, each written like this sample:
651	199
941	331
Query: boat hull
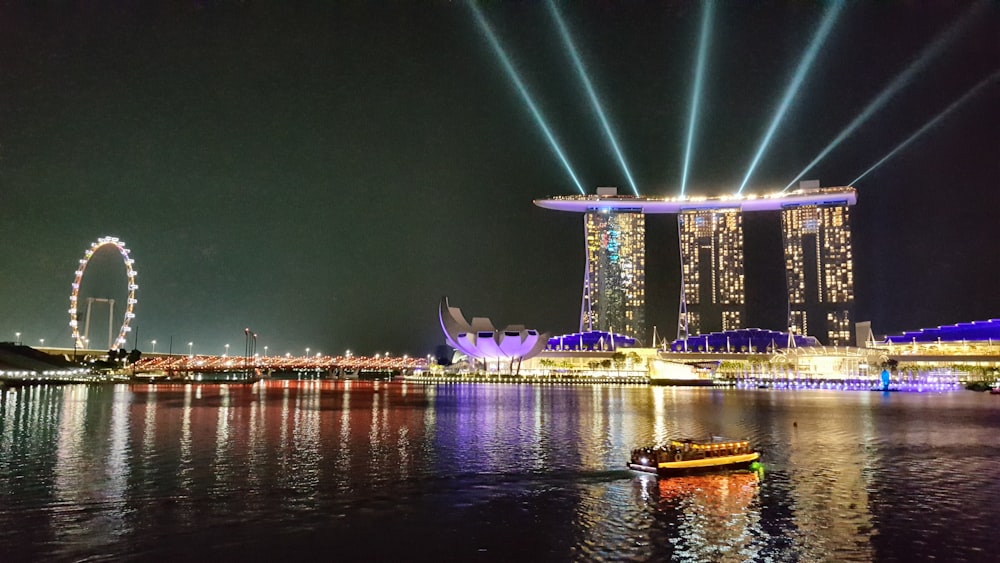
699	466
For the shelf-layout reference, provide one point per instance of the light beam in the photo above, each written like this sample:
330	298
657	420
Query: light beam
793	87
512	73
707	9
901	80
954	105
582	73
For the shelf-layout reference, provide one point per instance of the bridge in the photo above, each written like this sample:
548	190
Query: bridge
223	364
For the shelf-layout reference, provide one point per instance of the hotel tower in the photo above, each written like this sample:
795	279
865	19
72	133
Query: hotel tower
712	289
614	283
819	271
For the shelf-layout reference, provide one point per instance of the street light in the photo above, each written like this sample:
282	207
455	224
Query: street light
17	339
227	351
153	342
41	342
307	351
191	349
265	351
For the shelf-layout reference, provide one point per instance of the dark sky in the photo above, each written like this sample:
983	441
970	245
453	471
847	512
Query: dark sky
324	172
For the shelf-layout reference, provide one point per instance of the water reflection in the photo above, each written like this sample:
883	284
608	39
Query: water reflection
343	457
709	517
185	441
502	472
829	500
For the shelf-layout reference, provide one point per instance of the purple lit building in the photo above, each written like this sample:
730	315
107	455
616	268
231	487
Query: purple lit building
481	341
962	333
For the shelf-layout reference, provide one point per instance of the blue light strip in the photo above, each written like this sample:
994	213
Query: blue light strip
707	10
800	73
512	73
901	80
582	73
954	105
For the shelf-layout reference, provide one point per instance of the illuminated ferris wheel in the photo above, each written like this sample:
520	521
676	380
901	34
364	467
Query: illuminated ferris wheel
130	273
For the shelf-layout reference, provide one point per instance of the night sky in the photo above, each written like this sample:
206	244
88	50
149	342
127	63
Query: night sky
325	172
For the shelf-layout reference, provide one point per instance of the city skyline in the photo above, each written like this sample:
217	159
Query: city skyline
816	250
324	174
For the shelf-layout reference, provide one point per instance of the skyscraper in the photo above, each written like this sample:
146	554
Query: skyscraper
819	270
614	284
817	247
712	286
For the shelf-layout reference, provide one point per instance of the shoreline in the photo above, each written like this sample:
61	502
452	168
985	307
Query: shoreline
507	379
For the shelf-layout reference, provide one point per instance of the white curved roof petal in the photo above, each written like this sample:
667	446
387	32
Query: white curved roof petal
467	344
512	343
482	324
480	340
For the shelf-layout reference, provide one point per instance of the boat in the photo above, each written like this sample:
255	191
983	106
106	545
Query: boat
688	456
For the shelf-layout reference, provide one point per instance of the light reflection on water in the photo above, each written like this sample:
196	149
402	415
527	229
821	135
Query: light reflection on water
458	472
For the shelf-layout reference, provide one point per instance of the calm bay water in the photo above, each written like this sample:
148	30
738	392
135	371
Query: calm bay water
466	472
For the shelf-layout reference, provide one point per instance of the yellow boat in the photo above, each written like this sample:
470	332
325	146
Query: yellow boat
686	457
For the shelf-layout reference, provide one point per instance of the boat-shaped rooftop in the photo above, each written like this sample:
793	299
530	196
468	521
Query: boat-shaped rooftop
841	196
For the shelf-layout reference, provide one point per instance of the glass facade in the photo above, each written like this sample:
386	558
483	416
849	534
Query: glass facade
819	271
731	320
712	277
614	284
694	322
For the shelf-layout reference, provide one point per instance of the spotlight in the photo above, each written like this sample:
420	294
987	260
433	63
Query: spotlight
568	41
707	8
523	90
793	87
901	80
954	105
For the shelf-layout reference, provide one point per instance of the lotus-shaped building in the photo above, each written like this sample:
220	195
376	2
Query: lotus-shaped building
481	341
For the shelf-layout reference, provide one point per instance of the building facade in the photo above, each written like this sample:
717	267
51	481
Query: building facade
713	295
614	283
819	271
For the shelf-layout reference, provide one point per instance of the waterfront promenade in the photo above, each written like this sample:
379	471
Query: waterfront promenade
855	369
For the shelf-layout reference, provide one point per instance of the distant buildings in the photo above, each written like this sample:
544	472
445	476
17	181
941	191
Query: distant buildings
819	271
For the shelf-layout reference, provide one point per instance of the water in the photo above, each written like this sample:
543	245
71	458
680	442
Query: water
465	472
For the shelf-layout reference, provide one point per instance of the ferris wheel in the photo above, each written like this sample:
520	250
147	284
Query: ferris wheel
130	273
